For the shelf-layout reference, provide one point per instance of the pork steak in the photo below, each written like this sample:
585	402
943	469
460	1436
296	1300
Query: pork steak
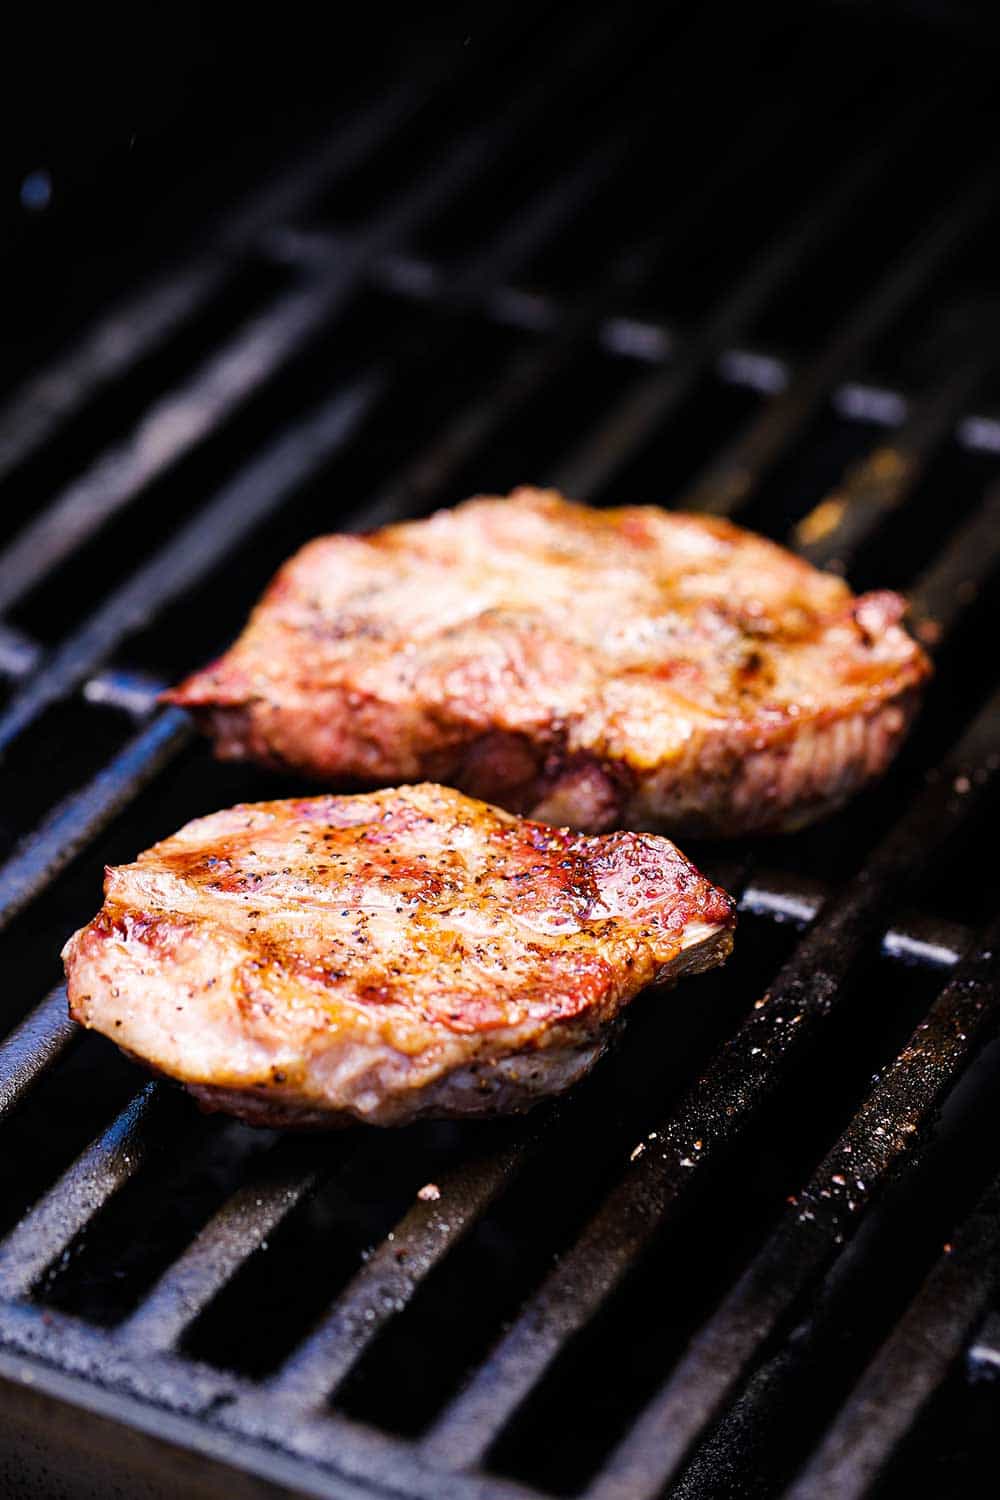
403	953
619	668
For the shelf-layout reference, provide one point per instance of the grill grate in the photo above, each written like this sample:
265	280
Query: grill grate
308	1323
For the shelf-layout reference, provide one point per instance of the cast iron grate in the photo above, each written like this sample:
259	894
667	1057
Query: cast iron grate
707	1272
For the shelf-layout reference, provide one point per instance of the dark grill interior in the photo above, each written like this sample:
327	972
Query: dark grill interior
756	1253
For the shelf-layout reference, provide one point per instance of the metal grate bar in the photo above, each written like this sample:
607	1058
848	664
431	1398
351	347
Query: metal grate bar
984	1353
171	428
953	584
645	408
877	487
310	248
389	1279
79	818
732	478
912	938
199	1408
131	692
527	374
255	493
33	1046
106	353
138	326
19	654
180	420
912	1363
645	340
134	692
735	1086
824	1215
49	1228
233	1234
523	376
550	210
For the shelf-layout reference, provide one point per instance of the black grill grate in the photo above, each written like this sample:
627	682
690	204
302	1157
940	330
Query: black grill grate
625	1294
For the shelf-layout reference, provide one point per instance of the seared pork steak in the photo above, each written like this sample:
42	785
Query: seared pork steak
632	667
403	953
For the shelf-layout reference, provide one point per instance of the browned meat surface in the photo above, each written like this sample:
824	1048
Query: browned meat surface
629	667
385	956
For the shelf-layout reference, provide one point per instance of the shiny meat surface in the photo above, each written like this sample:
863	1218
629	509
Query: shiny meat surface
630	667
386	956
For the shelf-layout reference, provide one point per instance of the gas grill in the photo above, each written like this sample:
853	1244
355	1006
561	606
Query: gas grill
757	1252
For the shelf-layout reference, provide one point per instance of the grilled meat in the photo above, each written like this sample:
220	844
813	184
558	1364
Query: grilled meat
408	952
629	667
